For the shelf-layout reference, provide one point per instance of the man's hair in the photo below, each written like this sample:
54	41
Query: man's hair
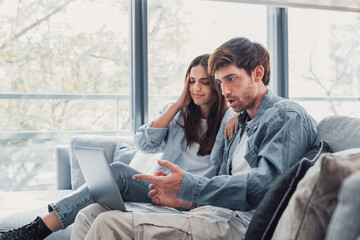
243	53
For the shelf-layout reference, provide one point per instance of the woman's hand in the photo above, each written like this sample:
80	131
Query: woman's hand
183	101
185	98
231	128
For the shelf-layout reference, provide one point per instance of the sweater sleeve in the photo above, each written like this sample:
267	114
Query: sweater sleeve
152	140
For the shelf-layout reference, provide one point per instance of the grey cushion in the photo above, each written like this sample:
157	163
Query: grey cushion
345	221
23	218
63	167
276	199
29	205
124	152
107	143
309	211
340	132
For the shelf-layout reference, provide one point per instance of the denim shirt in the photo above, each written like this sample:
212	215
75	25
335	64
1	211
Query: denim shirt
171	141
279	135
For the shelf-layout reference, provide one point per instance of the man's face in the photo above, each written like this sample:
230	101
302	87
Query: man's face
238	87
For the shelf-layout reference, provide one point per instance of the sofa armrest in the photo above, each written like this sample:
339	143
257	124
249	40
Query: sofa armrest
108	143
63	167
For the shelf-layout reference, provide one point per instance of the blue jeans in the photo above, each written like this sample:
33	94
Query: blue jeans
131	190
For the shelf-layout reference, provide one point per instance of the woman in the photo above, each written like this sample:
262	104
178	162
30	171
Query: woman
190	133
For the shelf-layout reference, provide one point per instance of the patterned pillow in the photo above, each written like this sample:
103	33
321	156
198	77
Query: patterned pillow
310	208
269	211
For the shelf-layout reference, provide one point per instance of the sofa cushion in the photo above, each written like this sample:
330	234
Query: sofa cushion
347	211
336	127
124	152
20	219
269	211
108	143
27	206
310	208
145	162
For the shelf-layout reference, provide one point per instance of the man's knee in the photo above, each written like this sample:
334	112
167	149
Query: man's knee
102	221
90	212
114	224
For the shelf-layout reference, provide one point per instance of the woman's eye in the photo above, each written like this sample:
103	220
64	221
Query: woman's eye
205	82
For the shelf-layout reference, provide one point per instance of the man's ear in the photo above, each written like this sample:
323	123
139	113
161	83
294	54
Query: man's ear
259	73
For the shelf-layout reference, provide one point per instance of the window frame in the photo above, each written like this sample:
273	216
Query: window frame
277	40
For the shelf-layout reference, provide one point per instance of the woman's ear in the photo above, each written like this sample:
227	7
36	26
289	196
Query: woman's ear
259	73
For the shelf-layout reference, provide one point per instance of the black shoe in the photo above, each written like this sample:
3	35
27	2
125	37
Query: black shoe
36	230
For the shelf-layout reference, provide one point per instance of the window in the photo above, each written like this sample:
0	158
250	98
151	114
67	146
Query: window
64	68
324	48
178	31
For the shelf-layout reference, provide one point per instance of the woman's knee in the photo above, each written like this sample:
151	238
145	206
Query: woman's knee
122	170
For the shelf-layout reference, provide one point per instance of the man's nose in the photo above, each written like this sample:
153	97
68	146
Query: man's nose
225	90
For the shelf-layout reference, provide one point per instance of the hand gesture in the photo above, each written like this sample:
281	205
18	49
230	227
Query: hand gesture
231	128
169	185
158	198
185	98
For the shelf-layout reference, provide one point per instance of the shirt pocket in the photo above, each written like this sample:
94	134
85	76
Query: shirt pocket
252	157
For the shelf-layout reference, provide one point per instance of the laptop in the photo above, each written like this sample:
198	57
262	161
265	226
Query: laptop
102	184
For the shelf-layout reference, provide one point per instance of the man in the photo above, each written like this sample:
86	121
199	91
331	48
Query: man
273	134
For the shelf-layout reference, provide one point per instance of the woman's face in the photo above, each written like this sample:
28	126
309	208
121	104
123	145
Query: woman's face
199	86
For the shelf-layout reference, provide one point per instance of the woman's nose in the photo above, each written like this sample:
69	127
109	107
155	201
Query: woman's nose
197	86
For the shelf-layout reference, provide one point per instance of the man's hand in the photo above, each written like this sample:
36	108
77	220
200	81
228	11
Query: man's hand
158	198
168	185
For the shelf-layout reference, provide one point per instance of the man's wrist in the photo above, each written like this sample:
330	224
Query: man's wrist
189	187
186	205
193	205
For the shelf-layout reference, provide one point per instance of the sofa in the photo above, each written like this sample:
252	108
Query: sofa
339	132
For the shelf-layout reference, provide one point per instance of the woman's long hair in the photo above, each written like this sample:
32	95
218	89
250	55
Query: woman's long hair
192	114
